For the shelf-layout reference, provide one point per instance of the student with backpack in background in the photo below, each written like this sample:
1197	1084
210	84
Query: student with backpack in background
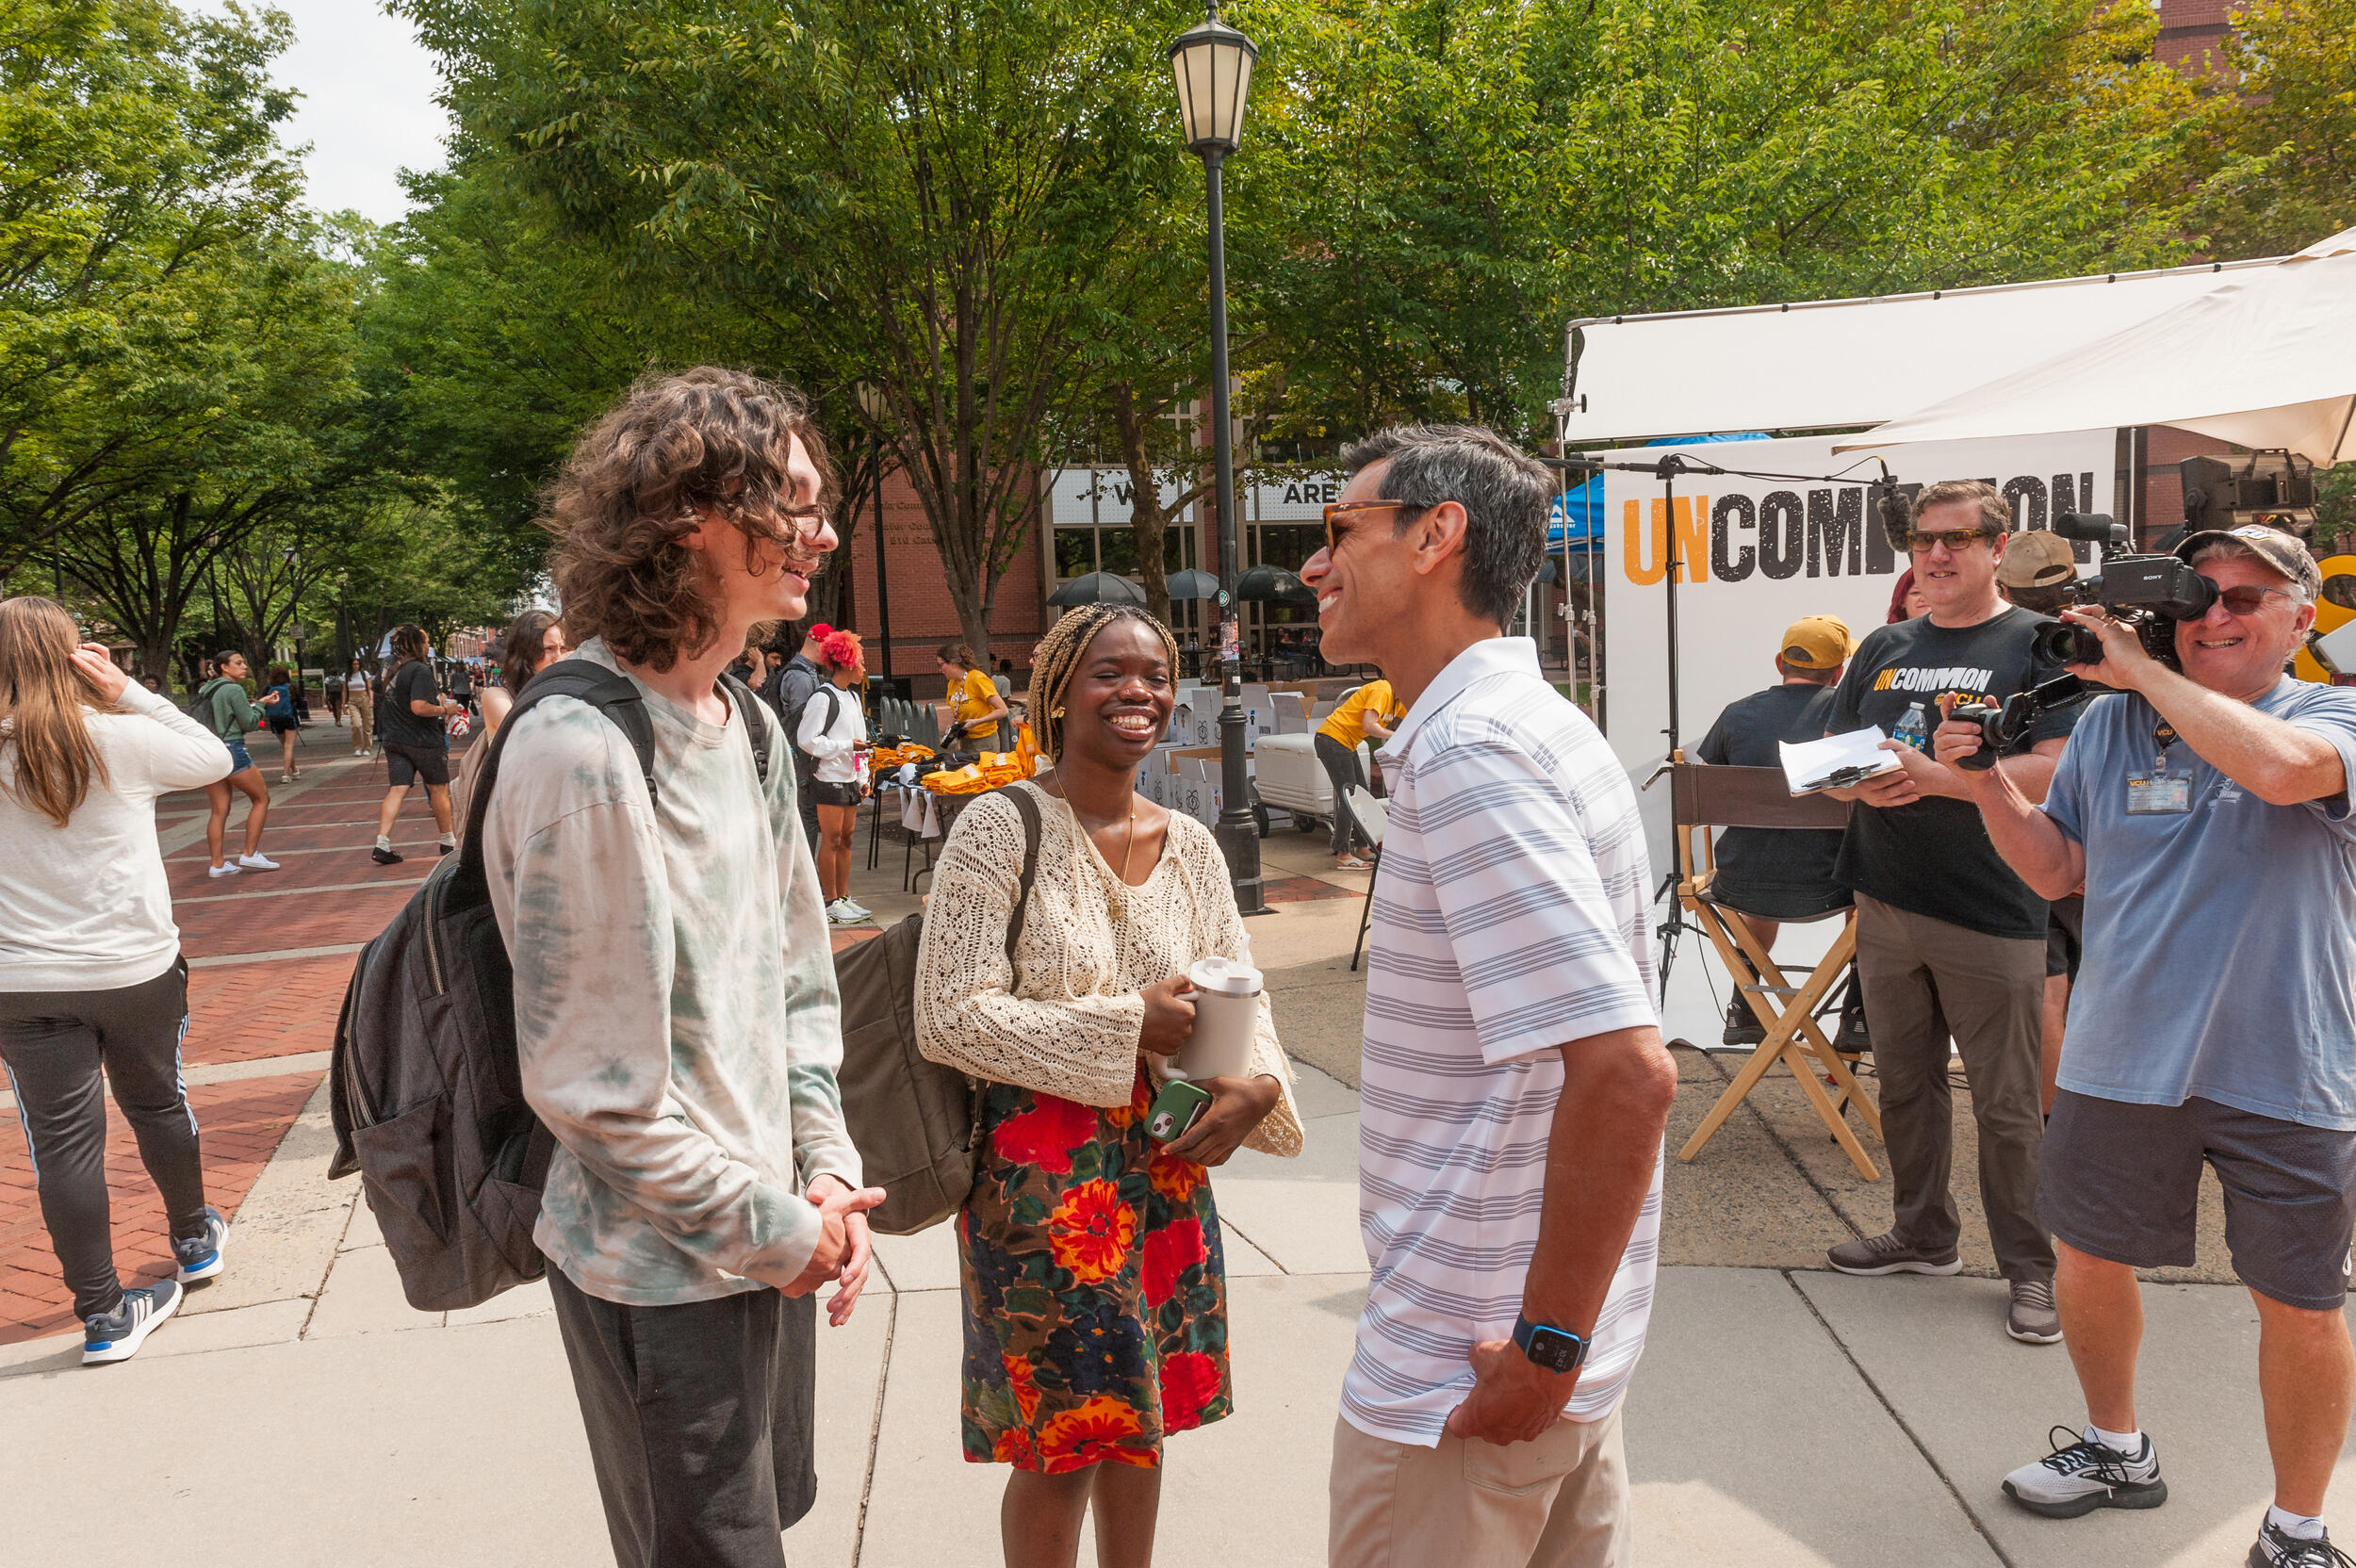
833	735
798	682
92	980
677	1022
417	749
223	707
280	713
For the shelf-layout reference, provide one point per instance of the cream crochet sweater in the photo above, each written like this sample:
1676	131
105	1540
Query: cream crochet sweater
1090	944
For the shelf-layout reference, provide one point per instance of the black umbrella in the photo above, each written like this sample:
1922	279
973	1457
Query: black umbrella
1193	584
1274	585
1098	588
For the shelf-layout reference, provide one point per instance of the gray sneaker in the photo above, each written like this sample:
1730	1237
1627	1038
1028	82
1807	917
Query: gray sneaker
1890	1254
2275	1549
2033	1319
2081	1476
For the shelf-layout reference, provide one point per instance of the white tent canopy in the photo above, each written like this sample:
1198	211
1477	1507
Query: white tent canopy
2265	358
1835	363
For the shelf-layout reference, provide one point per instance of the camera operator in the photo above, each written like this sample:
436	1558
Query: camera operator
1947	936
2207	814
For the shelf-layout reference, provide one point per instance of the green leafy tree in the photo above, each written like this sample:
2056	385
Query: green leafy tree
2286	141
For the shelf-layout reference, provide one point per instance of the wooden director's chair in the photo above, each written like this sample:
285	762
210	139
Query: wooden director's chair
1702	798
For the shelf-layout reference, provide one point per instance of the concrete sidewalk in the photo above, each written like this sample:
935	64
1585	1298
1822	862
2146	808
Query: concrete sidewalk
301	1413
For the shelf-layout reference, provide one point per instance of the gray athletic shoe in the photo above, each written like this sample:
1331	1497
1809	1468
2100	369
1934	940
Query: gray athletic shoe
2081	1476
2033	1319
1890	1254
2275	1549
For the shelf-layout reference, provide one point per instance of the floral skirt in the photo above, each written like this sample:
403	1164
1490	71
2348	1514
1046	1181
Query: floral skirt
1095	1287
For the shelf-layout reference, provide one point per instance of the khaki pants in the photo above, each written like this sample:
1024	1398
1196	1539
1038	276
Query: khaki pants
1990	991
1557	1502
362	709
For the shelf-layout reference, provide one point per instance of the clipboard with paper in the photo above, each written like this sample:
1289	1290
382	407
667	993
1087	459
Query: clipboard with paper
1837	762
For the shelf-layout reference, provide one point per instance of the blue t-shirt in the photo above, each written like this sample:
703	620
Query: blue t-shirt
2220	941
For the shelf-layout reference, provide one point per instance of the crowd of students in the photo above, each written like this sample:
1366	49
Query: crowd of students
679	1031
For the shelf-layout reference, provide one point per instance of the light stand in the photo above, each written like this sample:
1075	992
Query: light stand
1212	65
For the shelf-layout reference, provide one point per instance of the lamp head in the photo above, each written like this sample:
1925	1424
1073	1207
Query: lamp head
1212	65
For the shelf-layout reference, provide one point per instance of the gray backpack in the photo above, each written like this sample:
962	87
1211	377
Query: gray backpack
916	1123
425	1090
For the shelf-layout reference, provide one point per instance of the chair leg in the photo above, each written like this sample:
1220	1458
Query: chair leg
1365	916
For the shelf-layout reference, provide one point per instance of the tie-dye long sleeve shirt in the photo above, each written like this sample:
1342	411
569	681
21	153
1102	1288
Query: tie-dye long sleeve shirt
675	1012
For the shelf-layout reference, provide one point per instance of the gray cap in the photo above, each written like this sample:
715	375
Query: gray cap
2283	551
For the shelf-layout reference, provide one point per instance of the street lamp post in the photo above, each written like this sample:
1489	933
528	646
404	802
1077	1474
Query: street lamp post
1212	65
871	398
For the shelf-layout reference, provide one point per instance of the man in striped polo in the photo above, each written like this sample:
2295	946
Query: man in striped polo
1515	1085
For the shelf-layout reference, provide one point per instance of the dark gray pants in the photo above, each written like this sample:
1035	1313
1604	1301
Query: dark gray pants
1342	767
55	1044
1990	990
700	1420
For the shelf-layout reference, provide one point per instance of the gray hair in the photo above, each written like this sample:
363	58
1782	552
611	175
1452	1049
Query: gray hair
1505	495
2302	587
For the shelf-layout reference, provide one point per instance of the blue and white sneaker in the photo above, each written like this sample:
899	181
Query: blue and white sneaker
117	1336
199	1257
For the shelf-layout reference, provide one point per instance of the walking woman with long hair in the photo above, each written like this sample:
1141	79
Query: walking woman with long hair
534	641
833	734
278	713
417	749
91	981
1094	1276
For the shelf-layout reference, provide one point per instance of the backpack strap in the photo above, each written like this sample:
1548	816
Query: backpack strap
1027	808
756	722
609	692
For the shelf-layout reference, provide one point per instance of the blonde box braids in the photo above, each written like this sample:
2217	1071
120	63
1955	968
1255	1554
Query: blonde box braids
1057	656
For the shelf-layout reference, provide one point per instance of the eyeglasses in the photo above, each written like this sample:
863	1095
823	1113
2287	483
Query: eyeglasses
1953	538
2247	598
1337	509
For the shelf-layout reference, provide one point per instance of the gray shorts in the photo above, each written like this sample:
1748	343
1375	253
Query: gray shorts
2122	1181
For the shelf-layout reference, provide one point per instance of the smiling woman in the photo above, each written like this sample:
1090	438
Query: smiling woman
1095	1287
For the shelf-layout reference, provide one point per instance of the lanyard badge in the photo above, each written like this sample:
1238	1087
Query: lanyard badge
2161	793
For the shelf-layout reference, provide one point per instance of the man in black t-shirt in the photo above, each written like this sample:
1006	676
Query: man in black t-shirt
417	749
1767	875
1944	927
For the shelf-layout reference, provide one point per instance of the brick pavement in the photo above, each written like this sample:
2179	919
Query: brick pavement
328	891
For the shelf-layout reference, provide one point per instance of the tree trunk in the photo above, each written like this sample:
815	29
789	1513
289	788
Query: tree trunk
1145	517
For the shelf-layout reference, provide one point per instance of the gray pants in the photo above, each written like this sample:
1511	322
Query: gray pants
702	1422
1342	767
1990	990
54	1043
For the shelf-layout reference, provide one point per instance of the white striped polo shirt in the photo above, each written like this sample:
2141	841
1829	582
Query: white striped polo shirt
1509	919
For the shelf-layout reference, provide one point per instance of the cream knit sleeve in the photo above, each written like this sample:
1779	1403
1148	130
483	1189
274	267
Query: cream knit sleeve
1219	932
1082	1048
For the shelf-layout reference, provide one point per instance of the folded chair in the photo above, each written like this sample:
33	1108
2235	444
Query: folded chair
1372	817
1702	798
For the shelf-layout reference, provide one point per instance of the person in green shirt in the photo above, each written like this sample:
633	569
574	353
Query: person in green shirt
224	708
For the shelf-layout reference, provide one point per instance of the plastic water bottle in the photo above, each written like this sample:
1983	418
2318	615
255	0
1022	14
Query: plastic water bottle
1915	728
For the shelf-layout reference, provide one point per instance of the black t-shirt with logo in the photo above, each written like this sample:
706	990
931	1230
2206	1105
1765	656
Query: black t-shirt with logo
399	724
1778	873
1932	857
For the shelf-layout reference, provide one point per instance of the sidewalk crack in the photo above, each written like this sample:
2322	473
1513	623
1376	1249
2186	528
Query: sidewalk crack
875	1431
1866	1378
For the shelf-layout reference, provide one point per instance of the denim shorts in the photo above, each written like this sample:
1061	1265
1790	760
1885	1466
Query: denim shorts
239	758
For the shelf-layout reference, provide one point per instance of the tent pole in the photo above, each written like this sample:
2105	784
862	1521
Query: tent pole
1669	517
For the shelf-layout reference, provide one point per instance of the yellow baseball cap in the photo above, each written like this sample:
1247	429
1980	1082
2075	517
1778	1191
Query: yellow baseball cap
1818	642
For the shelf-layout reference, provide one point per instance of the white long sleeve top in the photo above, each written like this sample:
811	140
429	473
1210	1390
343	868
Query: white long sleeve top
86	908
832	745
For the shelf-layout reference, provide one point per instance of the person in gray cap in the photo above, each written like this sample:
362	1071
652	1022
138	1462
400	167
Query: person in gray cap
2206	812
2035	573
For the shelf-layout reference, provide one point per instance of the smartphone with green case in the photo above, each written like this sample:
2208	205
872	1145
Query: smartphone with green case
1175	1109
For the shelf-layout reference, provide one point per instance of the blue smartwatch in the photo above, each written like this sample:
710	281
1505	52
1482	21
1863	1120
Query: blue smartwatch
1556	1349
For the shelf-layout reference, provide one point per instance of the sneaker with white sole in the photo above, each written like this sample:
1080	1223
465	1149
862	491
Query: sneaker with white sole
859	909
2082	1475
2275	1548
117	1336
1890	1253
257	862
838	913
198	1257
2031	1318
227	868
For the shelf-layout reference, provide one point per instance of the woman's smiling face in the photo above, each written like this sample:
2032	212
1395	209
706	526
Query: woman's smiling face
1117	707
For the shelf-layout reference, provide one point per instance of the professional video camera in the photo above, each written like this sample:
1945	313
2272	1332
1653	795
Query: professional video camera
2151	593
2002	729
